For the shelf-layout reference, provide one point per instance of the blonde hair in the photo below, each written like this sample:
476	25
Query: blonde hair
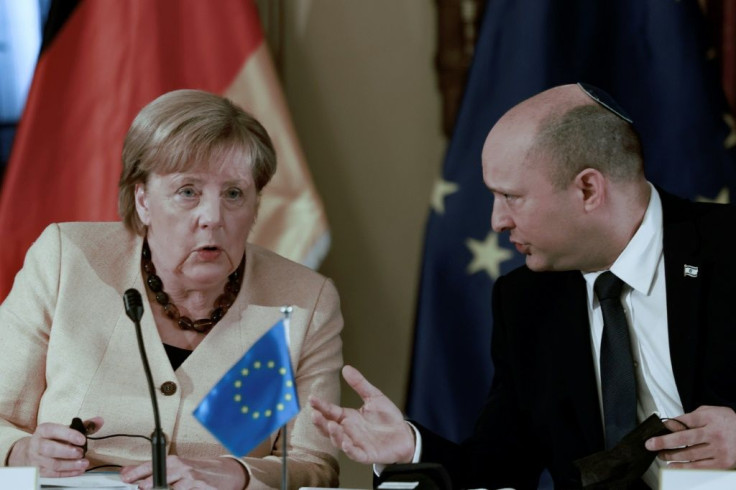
179	131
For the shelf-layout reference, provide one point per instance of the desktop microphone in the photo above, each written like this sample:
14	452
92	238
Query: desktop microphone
134	309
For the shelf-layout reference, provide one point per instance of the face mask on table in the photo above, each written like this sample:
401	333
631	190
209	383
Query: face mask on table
623	464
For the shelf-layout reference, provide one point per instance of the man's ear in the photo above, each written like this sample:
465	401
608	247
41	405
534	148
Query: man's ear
141	203
592	186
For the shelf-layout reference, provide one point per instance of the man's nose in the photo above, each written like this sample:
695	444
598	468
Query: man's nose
500	218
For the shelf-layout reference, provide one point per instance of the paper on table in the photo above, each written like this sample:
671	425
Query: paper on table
88	481
20	478
680	479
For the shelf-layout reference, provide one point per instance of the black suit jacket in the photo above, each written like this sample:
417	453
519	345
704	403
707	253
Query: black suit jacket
543	409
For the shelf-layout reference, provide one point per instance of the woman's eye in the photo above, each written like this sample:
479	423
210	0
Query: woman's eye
233	193
186	192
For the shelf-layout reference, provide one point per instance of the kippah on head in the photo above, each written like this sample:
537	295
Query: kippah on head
605	100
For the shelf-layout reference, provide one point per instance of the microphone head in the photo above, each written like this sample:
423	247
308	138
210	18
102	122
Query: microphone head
133	304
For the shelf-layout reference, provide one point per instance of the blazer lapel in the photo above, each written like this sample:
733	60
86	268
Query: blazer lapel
128	260
684	268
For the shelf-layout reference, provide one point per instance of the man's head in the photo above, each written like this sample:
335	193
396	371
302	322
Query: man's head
568	180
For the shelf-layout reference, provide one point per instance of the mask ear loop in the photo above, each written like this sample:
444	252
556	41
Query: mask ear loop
665	419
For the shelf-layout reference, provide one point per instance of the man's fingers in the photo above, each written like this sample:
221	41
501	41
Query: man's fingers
320	422
347	445
675	425
703	415
674	441
336	434
342	437
358	382
330	411
354	452
685	454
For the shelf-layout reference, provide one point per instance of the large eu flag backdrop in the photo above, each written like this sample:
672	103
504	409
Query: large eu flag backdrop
655	58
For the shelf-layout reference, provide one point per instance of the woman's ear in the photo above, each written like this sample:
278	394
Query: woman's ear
257	208
592	185
141	203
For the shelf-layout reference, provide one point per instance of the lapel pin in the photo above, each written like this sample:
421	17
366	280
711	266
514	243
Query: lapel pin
691	271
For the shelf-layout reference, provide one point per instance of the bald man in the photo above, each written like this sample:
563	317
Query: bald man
567	174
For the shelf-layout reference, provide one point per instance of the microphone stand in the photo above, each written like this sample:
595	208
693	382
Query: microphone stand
134	310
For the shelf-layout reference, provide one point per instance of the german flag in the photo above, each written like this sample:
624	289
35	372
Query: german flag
101	62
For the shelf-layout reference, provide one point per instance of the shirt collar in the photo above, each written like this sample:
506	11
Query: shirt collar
637	264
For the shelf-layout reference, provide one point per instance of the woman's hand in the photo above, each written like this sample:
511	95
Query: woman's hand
199	474
55	449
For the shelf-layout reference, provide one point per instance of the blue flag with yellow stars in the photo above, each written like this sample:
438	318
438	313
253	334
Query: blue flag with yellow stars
254	398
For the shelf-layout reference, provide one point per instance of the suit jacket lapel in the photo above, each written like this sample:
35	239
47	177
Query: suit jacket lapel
681	245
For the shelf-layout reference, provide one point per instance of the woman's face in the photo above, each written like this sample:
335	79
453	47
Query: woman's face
198	221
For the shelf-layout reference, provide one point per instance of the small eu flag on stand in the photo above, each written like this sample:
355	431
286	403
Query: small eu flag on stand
254	398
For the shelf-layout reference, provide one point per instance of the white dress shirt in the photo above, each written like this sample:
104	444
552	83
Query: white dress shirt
641	267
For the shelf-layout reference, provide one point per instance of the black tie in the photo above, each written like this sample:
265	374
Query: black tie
618	380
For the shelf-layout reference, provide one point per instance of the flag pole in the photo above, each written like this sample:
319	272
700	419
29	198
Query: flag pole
284	475
286	310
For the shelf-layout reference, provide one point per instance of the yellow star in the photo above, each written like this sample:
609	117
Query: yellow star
487	255
722	197
730	140
442	189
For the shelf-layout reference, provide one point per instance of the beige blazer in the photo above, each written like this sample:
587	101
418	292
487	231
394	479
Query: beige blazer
67	350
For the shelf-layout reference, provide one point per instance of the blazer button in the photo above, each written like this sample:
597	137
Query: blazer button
168	388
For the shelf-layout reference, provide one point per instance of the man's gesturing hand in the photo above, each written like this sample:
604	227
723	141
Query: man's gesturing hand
375	433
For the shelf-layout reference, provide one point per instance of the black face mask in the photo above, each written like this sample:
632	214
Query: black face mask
623	465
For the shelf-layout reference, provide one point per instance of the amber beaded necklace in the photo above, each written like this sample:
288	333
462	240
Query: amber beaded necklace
222	303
